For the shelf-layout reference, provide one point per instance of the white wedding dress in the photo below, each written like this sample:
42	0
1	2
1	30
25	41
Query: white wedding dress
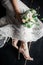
17	30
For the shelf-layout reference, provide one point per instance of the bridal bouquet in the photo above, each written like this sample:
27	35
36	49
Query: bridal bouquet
29	18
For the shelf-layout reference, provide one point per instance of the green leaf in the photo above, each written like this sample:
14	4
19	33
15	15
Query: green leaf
41	18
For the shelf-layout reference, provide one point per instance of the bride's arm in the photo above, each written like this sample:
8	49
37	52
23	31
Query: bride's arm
16	6
19	6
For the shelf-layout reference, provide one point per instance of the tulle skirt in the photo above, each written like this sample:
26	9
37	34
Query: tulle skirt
17	30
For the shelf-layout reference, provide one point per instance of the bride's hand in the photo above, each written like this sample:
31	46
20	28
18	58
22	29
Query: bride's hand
19	18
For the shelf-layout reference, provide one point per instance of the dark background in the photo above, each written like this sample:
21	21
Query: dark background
2	10
8	54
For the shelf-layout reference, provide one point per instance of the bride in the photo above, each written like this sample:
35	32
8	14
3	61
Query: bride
14	28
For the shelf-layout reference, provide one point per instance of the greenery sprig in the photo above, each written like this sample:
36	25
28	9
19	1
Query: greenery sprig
30	18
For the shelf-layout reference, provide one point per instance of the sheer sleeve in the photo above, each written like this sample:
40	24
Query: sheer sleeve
4	2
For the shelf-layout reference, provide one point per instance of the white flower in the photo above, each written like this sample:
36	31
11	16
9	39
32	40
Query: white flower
30	17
